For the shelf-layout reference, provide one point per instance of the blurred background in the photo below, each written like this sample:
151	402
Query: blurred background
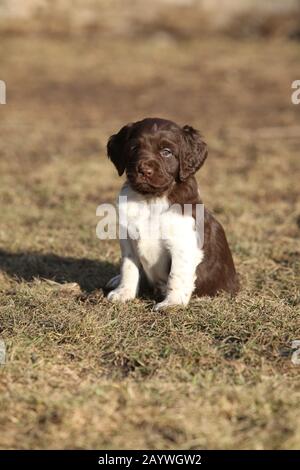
75	72
106	62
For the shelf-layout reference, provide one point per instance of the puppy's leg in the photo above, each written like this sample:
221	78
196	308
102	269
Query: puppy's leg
129	277
181	281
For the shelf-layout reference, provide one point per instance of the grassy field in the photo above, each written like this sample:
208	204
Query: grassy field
83	373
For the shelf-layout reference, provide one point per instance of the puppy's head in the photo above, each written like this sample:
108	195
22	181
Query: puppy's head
156	153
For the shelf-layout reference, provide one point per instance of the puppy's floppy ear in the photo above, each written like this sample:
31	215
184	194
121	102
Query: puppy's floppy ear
193	153
116	148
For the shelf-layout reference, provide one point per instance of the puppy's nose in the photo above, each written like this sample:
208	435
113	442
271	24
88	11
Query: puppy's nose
145	170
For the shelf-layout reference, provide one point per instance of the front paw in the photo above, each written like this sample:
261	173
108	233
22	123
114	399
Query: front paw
169	303
121	294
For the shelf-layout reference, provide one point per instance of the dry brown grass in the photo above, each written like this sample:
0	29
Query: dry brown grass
83	373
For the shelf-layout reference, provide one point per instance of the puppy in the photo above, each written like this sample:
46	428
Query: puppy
160	159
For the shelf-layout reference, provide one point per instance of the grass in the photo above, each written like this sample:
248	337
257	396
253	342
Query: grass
83	373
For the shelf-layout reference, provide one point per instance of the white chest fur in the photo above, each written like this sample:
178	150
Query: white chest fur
159	237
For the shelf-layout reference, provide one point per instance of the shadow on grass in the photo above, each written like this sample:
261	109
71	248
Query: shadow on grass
89	274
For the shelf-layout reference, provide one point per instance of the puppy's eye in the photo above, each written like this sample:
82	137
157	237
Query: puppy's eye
166	153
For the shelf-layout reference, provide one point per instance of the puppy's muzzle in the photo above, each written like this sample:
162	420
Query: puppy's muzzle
145	169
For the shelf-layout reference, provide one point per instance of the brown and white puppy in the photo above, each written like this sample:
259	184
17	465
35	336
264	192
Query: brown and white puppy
160	159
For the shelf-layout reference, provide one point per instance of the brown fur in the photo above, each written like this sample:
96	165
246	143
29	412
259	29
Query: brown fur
216	272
